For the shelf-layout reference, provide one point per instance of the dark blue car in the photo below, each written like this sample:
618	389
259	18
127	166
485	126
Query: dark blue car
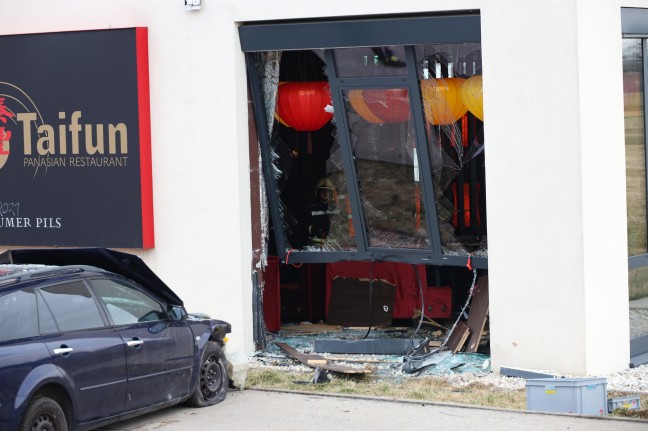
93	336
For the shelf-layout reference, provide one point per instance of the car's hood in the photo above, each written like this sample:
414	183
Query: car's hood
127	265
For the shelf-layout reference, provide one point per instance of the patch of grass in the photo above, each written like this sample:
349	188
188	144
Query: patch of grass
426	388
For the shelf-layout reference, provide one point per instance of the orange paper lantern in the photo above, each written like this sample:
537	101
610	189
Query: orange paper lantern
301	105
472	96
360	107
442	100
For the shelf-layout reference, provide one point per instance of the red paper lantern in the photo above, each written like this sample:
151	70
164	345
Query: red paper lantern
301	105
390	105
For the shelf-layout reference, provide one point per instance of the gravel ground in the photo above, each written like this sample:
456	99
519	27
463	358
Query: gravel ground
633	380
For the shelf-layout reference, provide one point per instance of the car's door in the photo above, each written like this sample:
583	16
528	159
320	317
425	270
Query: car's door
21	349
159	352
89	353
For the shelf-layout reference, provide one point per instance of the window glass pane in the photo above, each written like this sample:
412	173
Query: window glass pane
46	322
73	306
638	284
306	157
451	90
635	146
18	316
370	61
127	305
384	146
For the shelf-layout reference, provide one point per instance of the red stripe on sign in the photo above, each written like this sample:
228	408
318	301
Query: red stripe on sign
146	169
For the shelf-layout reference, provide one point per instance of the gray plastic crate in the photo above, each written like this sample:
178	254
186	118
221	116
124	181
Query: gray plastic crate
627	403
582	396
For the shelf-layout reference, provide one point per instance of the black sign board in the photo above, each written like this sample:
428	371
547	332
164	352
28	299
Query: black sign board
75	153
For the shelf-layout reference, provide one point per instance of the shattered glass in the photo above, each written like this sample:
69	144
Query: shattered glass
451	90
381	365
306	156
307	160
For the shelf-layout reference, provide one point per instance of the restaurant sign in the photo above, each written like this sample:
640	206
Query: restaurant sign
75	147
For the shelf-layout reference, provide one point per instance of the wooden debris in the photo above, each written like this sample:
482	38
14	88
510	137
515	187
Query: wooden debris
458	337
427	320
318	361
478	314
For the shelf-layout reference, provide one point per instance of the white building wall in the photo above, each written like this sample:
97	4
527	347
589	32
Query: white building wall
555	172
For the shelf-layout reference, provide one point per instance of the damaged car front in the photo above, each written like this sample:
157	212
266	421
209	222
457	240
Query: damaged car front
92	336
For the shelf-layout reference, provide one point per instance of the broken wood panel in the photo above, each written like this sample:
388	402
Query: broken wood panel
349	302
478	314
458	337
318	361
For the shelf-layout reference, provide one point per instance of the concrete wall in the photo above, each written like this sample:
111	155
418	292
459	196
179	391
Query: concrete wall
555	161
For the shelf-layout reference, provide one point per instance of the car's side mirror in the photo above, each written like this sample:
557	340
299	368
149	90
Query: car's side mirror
176	313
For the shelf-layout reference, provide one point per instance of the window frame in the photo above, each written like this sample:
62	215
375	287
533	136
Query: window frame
407	31
634	25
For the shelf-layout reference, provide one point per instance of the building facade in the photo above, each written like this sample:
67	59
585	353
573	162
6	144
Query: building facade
551	130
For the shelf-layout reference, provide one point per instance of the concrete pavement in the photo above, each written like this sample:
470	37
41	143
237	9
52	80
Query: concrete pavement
267	410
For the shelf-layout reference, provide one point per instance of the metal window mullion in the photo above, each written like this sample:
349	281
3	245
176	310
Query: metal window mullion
344	139
644	86
266	155
425	169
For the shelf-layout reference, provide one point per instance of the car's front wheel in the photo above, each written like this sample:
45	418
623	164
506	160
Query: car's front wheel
213	382
44	414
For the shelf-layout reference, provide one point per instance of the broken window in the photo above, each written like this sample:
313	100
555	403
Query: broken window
372	151
373	159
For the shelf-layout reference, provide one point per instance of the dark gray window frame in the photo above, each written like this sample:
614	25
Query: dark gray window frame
634	25
402	30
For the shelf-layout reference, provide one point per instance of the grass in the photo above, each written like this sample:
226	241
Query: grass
426	388
419	388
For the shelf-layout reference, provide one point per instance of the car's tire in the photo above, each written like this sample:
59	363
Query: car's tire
212	384
44	414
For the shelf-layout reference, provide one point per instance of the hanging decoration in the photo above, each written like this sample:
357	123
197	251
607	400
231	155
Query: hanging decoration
442	100
391	105
360	107
302	105
276	115
472	96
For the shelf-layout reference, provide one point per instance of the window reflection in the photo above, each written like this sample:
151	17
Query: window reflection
386	158
370	61
634	146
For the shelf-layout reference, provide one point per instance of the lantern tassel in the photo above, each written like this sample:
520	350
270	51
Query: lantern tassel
309	145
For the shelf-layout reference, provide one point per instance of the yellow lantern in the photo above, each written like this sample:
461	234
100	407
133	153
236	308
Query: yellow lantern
472	96
442	100
357	102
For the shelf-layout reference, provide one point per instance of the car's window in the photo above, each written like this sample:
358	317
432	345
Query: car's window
46	323
18	316
73	306
125	304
